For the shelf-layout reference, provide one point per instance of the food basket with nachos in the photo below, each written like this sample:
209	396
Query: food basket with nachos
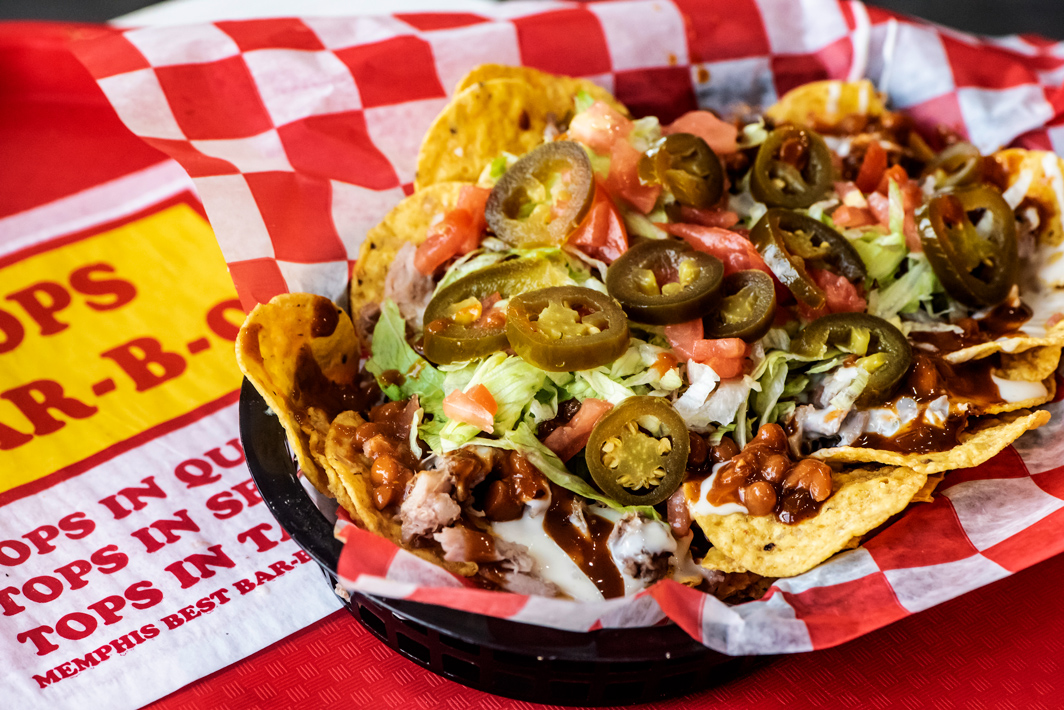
598	369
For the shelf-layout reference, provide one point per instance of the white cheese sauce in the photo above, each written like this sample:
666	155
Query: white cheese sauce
704	507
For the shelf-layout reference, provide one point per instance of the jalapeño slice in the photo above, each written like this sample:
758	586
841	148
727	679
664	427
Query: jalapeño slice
873	336
634	465
566	328
687	167
976	261
789	241
958	165
663	282
792	168
542	197
453	334
746	308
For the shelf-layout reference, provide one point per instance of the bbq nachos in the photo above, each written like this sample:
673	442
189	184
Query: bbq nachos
590	352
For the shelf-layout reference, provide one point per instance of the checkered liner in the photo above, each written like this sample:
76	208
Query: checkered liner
300	134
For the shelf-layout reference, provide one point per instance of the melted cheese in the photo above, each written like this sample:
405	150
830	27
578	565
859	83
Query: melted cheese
1013	391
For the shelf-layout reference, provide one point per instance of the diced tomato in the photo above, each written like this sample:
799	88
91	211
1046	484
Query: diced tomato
482	396
462	407
459	231
568	439
872	167
850	195
1054	319
879	205
897	174
623	179
599	127
473	199
846	216
736	251
601	235
840	294
727	356
708	218
719	135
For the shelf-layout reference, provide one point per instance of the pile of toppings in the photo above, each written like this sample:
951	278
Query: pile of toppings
616	349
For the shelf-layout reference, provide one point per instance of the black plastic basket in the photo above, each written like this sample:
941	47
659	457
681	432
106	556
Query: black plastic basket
533	663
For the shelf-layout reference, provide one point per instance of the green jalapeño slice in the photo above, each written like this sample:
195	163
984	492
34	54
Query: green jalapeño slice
746	308
792	168
457	330
566	328
883	349
542	197
663	282
686	166
969	236
791	241
637	453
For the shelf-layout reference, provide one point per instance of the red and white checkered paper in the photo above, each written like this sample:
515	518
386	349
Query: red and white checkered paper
300	135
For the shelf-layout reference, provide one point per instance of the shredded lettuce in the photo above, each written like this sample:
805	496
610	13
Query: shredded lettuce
882	254
512	382
392	352
913	288
583	101
773	383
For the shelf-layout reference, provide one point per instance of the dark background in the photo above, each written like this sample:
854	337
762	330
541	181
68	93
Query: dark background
993	17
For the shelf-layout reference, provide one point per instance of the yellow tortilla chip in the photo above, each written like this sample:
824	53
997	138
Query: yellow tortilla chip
351	467
862	500
294	336
559	89
408	222
1041	171
926	494
1049	385
825	104
1033	365
981	442
1053	339
485	120
717	560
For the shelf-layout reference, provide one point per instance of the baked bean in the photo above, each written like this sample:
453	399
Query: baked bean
678	513
365	432
386	495
812	475
775	468
699	450
389	411
379	445
759	498
772	436
726	450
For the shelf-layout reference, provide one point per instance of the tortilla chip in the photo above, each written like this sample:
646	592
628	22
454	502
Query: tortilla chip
351	467
560	89
717	560
273	343
408	222
1011	345
1045	191
1033	365
986	437
863	499
482	122
825	104
1049	385
925	494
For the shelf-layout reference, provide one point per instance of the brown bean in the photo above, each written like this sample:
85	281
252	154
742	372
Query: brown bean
386	495
726	450
379	445
389	411
775	468
365	432
699	450
772	436
759	498
812	475
678	514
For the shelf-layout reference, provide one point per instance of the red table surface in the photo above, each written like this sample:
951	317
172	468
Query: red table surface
997	647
